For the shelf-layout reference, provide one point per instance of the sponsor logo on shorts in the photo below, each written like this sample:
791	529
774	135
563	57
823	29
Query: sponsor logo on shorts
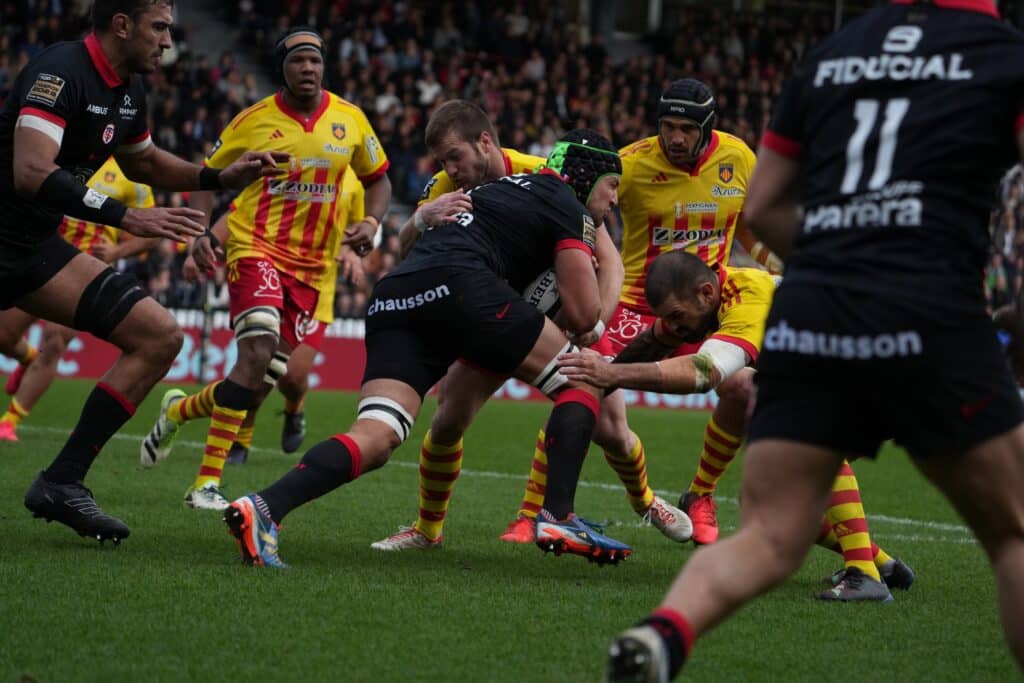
626	325
46	89
408	302
270	281
782	337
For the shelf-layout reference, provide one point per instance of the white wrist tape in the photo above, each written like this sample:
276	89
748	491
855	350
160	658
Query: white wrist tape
419	222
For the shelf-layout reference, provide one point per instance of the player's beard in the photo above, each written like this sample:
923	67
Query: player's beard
706	326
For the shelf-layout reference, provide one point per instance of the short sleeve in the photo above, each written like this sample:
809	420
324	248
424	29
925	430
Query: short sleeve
786	129
575	228
137	138
48	98
231	144
743	312
369	160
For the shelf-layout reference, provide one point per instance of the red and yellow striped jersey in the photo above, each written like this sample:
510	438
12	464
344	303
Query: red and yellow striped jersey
665	207
351	210
111	181
746	297
289	219
515	162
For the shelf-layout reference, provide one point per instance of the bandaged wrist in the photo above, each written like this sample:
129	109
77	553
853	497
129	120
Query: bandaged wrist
599	329
419	222
69	195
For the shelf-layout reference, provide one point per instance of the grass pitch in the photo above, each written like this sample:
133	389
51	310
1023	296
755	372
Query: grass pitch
173	602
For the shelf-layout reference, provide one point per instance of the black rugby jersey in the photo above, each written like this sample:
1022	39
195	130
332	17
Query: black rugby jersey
71	86
517	225
903	123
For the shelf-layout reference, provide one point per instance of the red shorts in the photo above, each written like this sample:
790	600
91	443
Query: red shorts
625	325
314	336
256	282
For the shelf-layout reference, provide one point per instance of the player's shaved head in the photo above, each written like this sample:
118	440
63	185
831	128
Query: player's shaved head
678	274
103	11
463	118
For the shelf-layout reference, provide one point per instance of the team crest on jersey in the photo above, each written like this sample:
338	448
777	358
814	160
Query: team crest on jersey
108	134
725	173
338	129
109	177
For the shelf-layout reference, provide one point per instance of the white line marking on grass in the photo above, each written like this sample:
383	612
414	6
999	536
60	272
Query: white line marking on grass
885	519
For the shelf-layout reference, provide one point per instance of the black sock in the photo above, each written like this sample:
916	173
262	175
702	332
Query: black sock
323	468
229	394
567	440
104	412
676	633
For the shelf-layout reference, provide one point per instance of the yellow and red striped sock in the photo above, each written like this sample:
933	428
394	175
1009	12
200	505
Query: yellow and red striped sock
440	466
827	537
846	515
632	472
199	404
30	354
294	406
224	425
880	556
537	484
244	436
15	413
719	449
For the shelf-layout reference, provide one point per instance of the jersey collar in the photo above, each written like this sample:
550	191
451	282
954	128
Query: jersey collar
694	169
508	162
983	6
308	124
100	61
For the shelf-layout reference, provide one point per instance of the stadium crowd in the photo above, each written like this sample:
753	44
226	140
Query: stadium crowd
536	71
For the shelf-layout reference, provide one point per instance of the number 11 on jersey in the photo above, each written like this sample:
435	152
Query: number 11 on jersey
866	113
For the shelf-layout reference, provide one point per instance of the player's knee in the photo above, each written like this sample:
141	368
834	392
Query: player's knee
386	423
738	389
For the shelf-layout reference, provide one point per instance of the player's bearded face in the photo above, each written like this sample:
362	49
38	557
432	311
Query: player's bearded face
465	162
146	37
679	139
304	73
690	319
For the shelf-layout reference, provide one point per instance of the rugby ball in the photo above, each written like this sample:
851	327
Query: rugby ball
543	293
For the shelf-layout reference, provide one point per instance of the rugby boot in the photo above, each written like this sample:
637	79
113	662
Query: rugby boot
73	505
896	574
669	520
238	455
206	497
520	530
856	586
576	536
701	509
255	532
408	538
293	431
8	432
637	656
157	444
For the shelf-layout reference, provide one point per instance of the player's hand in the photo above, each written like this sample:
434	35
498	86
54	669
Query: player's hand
178	223
446	208
359	237
205	255
252	166
586	339
189	269
104	251
352	267
589	367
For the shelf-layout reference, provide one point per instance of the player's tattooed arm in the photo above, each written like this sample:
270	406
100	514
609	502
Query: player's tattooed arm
645	348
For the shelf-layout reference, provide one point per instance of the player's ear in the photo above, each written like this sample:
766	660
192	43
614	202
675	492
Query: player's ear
485	140
120	25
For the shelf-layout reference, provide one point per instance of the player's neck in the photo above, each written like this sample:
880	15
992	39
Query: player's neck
108	43
496	164
306	105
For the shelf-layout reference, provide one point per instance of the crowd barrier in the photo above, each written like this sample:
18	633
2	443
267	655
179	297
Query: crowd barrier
339	366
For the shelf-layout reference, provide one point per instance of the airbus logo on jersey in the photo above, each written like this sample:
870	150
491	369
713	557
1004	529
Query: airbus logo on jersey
294	190
725	173
719	191
97	109
683	238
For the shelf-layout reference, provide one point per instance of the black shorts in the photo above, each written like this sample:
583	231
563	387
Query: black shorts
418	324
848	370
38	269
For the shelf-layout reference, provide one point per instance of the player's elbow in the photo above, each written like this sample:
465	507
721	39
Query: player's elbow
28	179
580	314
